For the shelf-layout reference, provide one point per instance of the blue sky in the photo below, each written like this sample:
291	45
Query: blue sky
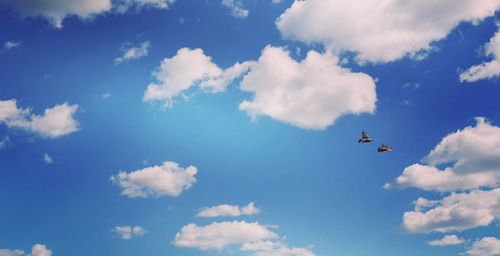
183	127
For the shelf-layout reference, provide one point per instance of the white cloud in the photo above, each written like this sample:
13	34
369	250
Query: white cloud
447	241
128	232
218	235
485	70
131	53
55	122
167	179
40	250
309	94
276	1
228	210
474	153
380	31
456	212
6	252
47	159
189	68
11	45
271	248
488	246
236	8
36	250
55	11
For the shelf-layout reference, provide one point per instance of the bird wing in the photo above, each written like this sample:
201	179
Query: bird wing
364	135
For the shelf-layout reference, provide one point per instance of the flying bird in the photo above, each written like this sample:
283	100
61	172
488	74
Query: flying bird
364	138
384	148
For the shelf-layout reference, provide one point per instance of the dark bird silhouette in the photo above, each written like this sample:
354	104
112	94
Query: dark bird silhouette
384	148
364	138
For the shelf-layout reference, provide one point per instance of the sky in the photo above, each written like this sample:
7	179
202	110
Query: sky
231	127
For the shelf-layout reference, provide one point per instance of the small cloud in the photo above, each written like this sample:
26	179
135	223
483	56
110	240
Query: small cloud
182	20
131	53
411	86
106	95
447	241
276	1
406	103
228	210
4	141
9	45
47	159
128	232
236	8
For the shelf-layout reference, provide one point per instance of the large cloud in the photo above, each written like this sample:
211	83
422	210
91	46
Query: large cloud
55	122
489	69
456	212
251	237
488	246
228	210
310	94
218	235
167	179
379	31
189	68
55	11
474	153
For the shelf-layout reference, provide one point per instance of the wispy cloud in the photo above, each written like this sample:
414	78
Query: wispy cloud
132	53
236	7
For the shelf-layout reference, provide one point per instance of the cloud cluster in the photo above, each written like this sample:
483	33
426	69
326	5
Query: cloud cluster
474	153
447	241
489	69
168	179
131	53
487	246
36	250
309	94
173	77
228	210
55	122
379	31
128	232
273	248
55	11
236	7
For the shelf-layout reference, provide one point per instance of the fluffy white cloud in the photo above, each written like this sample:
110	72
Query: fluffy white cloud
488	246
456	212
167	179
236	8
55	11
36	250
447	241
309	94
189	68
228	210
489	69
55	122
474	153
40	250
270	248
379	31
218	235
131	53
128	232
11	45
